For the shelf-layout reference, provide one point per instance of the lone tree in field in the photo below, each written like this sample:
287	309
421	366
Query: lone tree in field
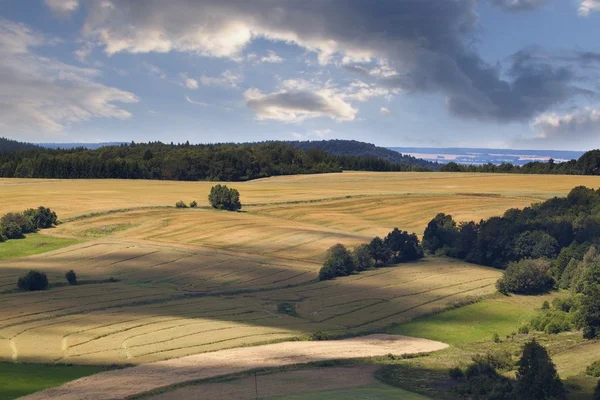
223	198
537	377
338	262
71	277
33	280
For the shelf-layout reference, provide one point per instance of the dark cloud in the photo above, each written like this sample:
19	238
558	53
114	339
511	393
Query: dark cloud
426	43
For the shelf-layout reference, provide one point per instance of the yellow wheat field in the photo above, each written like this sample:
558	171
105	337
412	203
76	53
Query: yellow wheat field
197	280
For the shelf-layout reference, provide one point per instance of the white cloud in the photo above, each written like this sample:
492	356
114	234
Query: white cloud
578	124
154	70
271	57
298	105
62	7
225	79
83	52
198	103
188	82
588	6
41	93
384	111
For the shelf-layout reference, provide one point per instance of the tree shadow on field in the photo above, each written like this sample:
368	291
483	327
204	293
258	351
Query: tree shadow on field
175	302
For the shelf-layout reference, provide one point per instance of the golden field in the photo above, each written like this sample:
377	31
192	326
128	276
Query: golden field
196	280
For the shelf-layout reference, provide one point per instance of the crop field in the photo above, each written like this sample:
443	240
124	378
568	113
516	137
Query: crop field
188	281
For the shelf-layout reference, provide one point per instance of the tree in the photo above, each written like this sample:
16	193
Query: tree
440	232
362	257
597	391
41	217
181	204
223	198
536	244
71	277
526	277
33	280
404	246
338	262
536	376
379	250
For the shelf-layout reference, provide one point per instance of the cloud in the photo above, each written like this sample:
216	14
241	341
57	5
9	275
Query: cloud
297	105
588	6
271	57
154	70
580	124
198	103
225	79
188	82
519	5
384	111
314	134
417	46
41	93
62	7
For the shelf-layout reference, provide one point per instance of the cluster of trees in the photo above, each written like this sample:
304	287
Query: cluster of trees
587	164
183	204
223	198
397	247
539	231
16	225
536	377
185	162
35	280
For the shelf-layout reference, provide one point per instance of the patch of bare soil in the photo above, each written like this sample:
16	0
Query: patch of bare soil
120	384
277	384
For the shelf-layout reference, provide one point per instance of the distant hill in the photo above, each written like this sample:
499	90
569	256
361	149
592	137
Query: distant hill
355	148
89	146
8	145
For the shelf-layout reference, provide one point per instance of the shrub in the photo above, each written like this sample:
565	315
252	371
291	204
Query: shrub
71	277
553	322
597	391
456	374
181	204
524	330
496	337
193	204
593	369
526	277
33	280
498	360
546	305
223	198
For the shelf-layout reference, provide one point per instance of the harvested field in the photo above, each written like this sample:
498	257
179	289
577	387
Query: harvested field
277	384
76	197
144	378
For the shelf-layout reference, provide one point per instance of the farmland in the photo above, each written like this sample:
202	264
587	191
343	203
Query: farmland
188	281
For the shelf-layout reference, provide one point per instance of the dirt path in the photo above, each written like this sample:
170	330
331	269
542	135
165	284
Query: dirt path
122	383
277	384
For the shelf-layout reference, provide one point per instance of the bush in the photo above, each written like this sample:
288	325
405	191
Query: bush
496	338
524	330
33	280
223	198
593	369
498	360
71	277
193	204
546	305
456	374
526	277
597	392
553	322
181	204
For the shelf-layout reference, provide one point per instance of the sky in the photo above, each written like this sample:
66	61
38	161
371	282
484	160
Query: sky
427	73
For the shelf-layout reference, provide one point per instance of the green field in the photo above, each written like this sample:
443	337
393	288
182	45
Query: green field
21	379
34	243
473	323
378	391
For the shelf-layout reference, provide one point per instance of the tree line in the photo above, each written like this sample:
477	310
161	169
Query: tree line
184	162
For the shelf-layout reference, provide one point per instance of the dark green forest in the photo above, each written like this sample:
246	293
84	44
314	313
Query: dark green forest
185	162
7	145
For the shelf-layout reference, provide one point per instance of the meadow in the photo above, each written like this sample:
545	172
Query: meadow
187	281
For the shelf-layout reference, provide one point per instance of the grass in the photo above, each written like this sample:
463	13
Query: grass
472	323
35	243
18	380
378	391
